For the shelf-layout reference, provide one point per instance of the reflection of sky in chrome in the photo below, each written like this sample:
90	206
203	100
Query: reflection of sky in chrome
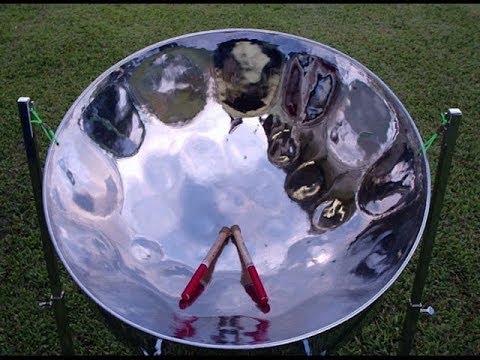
175	161
189	175
86	180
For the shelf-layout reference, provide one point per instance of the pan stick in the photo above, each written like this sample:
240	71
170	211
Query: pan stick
203	267
247	260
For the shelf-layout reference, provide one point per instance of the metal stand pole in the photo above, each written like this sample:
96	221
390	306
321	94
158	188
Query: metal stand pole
56	299
441	178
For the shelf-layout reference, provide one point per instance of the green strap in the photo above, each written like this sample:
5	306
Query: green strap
426	145
46	129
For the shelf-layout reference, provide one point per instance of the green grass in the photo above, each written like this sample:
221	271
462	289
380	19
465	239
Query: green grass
429	55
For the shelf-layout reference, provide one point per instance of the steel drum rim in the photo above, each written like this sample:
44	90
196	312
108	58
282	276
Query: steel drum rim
356	312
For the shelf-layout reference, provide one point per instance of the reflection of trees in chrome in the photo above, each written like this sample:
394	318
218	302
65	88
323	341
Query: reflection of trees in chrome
326	192
386	189
309	87
112	121
389	184
310	177
172	85
385	242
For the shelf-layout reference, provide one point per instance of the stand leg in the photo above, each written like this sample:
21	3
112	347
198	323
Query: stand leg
441	178
57	301
306	346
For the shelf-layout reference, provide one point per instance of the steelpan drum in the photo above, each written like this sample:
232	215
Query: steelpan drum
309	152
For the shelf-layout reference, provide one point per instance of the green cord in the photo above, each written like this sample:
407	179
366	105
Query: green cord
429	142
426	145
46	129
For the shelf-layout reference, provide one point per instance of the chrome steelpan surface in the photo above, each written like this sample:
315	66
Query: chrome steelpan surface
306	149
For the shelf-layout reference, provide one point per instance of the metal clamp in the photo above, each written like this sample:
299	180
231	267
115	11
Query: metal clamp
47	304
308	350
306	347
157	348
429	310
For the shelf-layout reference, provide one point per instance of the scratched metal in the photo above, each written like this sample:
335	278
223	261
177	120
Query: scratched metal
309	152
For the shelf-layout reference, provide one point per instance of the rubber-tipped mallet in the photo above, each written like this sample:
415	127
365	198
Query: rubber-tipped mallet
247	260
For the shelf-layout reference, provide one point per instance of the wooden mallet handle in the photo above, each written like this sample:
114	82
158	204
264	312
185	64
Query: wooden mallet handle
203	267
247	260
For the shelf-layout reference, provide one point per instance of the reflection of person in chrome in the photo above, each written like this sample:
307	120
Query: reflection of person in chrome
251	59
260	335
183	326
247	76
229	329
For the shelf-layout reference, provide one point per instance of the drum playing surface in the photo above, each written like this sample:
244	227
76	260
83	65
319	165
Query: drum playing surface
304	148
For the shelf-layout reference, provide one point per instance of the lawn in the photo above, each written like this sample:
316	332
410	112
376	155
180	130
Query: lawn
429	55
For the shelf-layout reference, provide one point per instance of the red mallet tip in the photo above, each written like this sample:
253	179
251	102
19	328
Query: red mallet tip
194	281
257	283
